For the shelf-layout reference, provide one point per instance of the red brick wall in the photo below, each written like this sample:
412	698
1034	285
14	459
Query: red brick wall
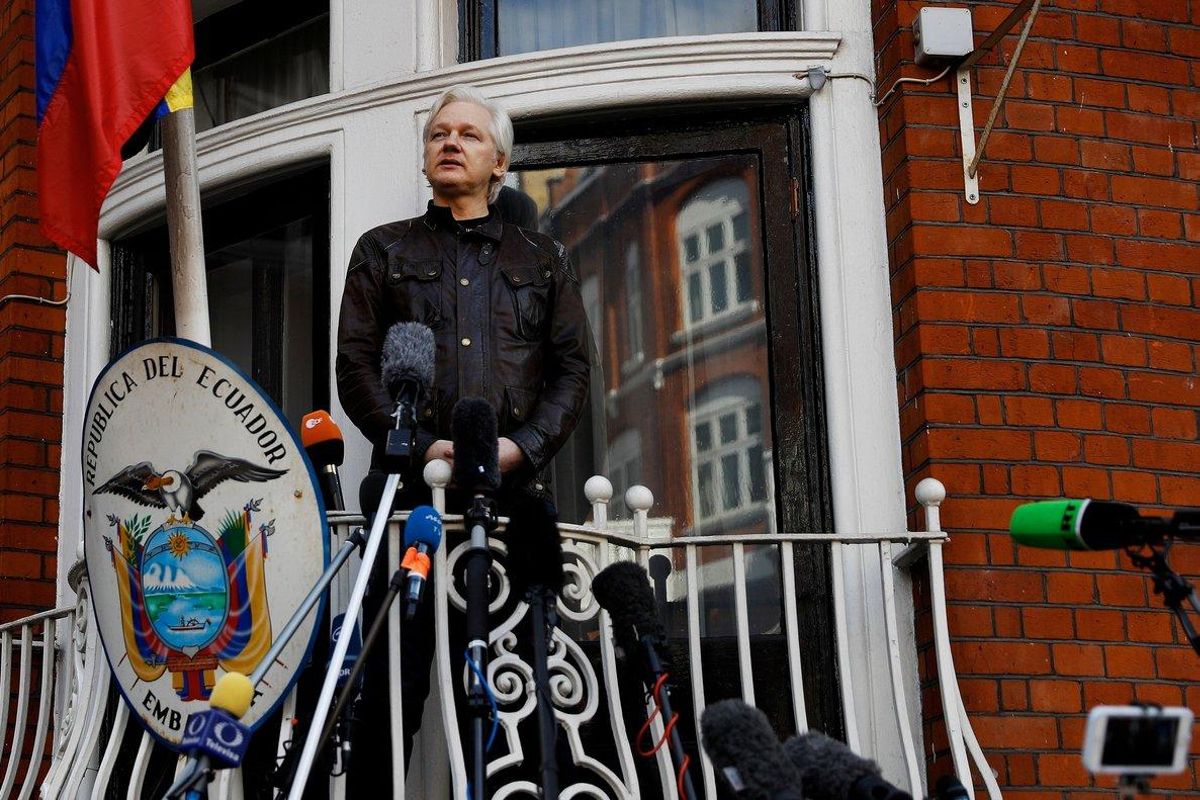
1047	343
31	341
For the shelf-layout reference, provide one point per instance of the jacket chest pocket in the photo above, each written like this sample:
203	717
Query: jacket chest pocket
530	289
415	288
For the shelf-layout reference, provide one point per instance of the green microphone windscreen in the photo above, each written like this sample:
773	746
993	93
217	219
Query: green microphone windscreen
1052	524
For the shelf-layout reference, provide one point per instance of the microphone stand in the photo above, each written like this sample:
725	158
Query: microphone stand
1174	588
481	519
663	698
395	586
397	454
544	619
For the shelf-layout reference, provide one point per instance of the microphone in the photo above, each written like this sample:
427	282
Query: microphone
322	440
474	432
422	536
215	736
949	787
1095	525
406	369
476	470
829	770
739	740
623	590
534	549
536	570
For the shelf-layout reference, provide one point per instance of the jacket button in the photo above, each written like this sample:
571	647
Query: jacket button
516	412
546	274
429	412
516	278
464	281
466	342
539	486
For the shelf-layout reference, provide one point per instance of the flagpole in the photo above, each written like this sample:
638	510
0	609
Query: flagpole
188	273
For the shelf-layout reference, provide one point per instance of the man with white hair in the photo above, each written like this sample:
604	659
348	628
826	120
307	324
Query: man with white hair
509	327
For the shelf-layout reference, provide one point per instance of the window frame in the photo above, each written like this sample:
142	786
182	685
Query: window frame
479	25
794	400
142	294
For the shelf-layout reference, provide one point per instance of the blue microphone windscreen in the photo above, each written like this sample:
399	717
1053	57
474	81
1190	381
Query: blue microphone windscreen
424	525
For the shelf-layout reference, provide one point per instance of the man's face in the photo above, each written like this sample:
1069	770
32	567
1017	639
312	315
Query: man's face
460	154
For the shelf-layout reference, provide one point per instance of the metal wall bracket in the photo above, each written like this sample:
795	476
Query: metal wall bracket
966	129
971	154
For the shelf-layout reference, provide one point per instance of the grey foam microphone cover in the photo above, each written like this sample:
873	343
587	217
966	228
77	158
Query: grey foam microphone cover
832	771
408	352
745	750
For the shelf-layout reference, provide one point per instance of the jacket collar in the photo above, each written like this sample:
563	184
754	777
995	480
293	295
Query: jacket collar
439	217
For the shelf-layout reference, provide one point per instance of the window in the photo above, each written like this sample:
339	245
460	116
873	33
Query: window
729	468
695	419
267	253
254	56
492	28
714	239
633	308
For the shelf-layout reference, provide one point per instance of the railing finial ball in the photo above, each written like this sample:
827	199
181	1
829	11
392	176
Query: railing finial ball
437	474
598	489
639	498
930	492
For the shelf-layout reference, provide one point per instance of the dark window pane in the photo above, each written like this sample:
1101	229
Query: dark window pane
691	248
274	60
741	227
527	25
716	238
728	424
703	437
758	475
731	488
695	298
718	287
708	504
753	419
745	289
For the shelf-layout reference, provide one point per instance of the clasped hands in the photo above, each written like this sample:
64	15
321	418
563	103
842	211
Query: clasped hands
510	456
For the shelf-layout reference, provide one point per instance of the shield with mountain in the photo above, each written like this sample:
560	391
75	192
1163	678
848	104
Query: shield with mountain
191	600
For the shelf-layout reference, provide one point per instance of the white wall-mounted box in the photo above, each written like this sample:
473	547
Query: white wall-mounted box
942	33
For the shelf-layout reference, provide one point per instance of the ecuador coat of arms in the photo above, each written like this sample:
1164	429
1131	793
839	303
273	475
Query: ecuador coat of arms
193	568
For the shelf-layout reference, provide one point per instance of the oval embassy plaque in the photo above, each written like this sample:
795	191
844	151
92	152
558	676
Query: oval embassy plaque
203	531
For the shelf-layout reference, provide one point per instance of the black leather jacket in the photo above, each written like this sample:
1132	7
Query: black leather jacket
508	323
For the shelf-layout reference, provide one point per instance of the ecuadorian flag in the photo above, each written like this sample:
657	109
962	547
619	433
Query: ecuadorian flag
103	66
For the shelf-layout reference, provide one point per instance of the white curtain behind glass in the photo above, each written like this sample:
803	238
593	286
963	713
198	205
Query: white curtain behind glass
288	67
527	25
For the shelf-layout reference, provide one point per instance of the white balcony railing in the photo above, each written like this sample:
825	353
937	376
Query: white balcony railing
61	671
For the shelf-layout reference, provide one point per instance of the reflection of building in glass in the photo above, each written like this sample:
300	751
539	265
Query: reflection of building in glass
671	268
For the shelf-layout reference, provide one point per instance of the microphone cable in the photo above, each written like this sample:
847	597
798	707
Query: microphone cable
655	694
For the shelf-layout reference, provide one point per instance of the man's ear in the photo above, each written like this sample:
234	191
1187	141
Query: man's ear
501	166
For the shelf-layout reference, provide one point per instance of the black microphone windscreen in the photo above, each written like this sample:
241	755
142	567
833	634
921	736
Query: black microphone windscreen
534	547
408	352
370	492
745	750
475	435
949	787
623	590
828	768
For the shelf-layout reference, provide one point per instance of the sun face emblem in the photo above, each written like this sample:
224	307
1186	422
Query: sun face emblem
178	544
